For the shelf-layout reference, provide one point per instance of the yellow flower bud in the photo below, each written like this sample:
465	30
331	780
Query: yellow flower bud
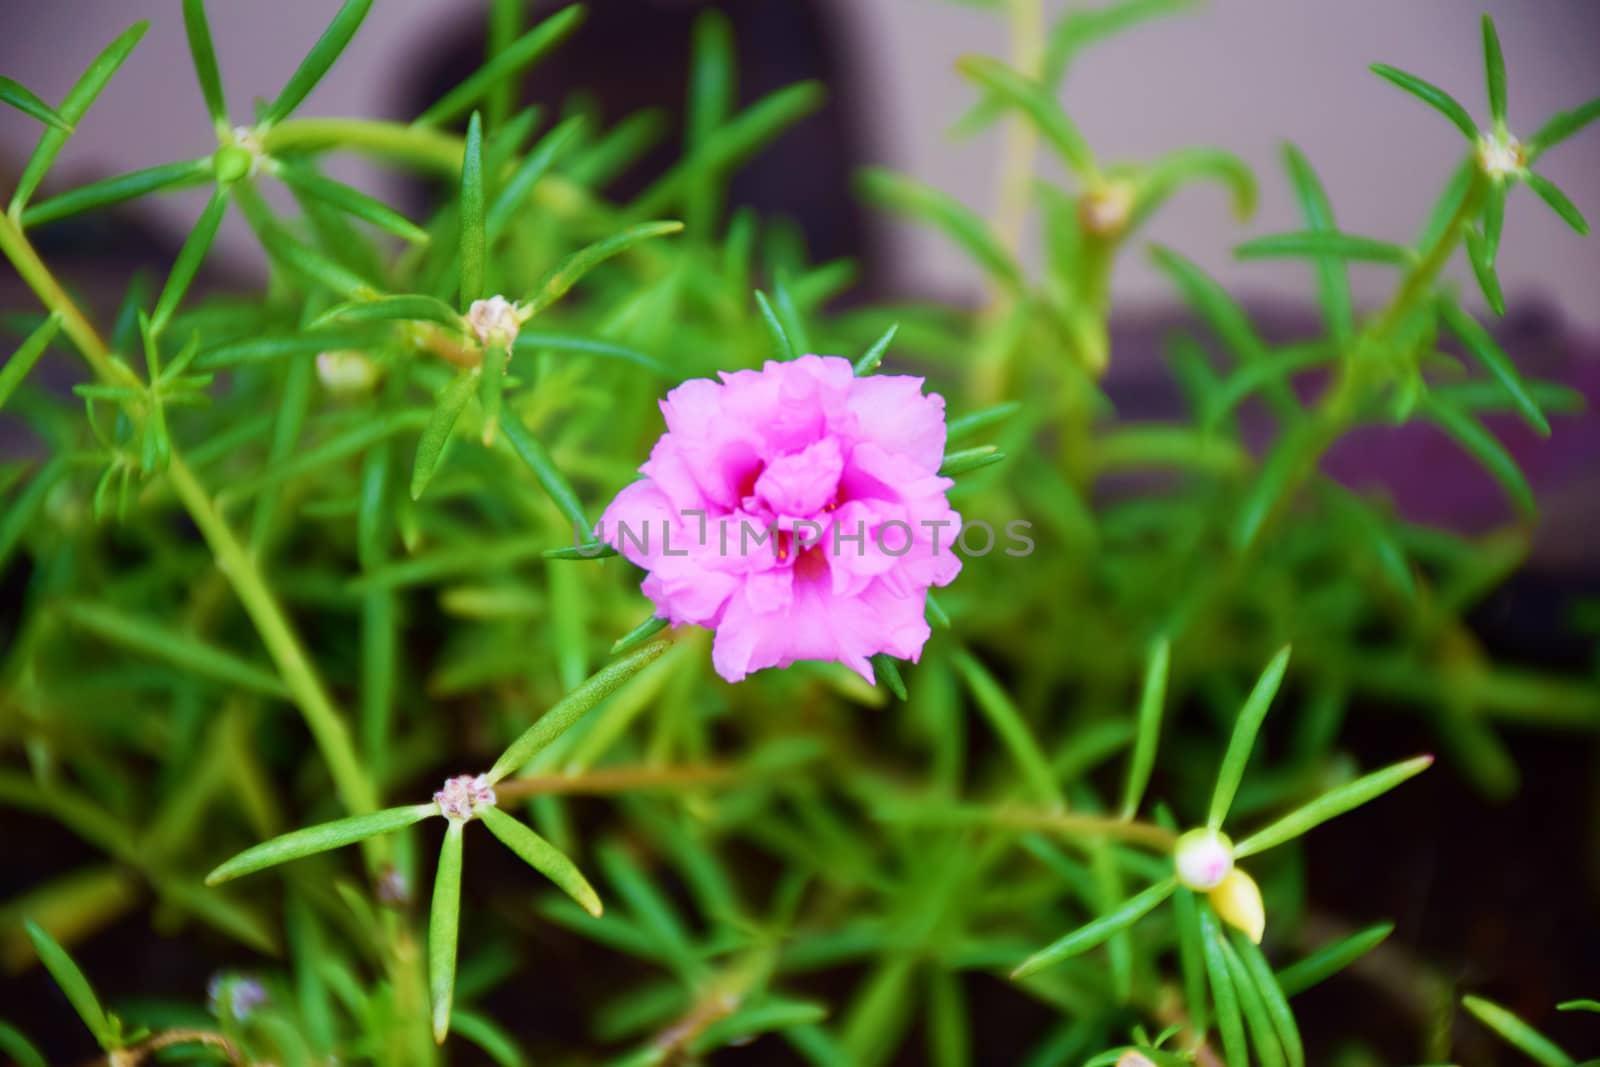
1237	899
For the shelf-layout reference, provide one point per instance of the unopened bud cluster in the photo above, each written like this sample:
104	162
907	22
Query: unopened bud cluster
1106	209
1501	157
494	321
464	797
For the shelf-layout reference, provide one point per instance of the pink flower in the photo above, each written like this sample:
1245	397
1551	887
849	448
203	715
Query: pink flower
798	511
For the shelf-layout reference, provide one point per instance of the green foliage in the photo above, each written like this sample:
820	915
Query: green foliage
282	557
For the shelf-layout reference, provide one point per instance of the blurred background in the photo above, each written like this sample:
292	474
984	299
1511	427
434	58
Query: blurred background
1240	74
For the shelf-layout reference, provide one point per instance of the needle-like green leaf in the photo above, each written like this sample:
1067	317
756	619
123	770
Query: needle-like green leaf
190	257
888	672
1333	803
949	216
1505	1023
560	718
1478	442
405	308
319	838
444	929
80	994
1191	958
1230	1019
731	143
23	359
713	86
19	1048
1494	70
1484	348
1097	932
536	340
204	55
1494	219
1243	739
1007	720
1269	1051
638	635
513	196
19	96
1273	1000
1481	256
1561	125
1157	182
1431	95
970	459
980	420
1054	126
549	476
72	110
1322	245
1331	959
318	61
151	637
474	241
430	446
1226	318
1152	696
163	178
543	857
873	356
1551	194
511	61
783	349
574	267
351	201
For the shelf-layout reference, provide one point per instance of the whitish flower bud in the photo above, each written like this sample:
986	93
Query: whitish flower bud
1105	209
231	163
1237	900
494	319
1134	1058
347	373
1203	859
464	796
1501	157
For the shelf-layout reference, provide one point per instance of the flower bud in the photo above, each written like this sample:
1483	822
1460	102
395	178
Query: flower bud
494	319
347	373
1501	157
463	797
1104	210
1237	900
1203	859
231	163
1133	1058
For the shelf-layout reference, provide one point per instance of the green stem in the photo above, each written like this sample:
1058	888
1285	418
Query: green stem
235	563
327	727
1021	137
1421	276
1343	400
19	250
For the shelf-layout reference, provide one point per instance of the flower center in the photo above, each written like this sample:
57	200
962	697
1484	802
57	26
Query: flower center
461	798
